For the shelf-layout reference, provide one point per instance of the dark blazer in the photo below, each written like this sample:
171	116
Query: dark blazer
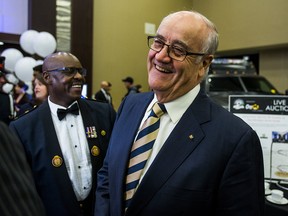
18	195
5	109
99	96
37	133
211	164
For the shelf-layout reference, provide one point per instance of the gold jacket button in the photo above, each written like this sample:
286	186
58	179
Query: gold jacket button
103	132
95	151
57	161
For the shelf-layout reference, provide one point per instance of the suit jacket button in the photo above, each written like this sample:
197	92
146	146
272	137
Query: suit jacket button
95	151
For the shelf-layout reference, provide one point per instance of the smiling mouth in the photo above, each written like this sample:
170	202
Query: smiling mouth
163	70
77	86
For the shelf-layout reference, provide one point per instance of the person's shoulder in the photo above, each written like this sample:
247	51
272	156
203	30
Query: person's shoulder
228	118
87	100
99	92
27	114
92	102
140	98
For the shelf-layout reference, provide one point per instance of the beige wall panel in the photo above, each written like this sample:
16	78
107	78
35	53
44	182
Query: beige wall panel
120	47
247	24
253	26
274	64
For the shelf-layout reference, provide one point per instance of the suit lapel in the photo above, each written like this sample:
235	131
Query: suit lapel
185	137
129	120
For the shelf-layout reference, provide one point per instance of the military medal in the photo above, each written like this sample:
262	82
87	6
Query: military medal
91	132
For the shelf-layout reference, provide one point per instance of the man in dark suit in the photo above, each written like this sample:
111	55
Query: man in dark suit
66	139
103	95
18	195
6	99
204	161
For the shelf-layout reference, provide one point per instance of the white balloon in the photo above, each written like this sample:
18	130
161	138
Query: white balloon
44	44
7	87
12	56
11	78
27	39
24	68
39	62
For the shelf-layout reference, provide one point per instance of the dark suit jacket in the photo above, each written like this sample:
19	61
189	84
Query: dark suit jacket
211	164
18	195
37	133
99	96
5	109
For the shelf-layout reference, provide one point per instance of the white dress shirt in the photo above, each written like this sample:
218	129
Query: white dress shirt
175	110
74	146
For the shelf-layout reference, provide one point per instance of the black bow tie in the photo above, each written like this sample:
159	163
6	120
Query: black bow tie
74	109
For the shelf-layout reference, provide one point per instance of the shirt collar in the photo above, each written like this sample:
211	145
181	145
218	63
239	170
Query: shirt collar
54	107
177	107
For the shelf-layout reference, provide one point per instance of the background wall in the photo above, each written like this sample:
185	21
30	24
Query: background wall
253	26
119	42
245	27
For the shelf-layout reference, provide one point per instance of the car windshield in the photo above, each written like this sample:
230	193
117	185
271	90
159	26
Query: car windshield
258	84
223	84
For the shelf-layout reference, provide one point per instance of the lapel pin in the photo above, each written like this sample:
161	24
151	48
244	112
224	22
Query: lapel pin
103	132
95	151
57	161
191	136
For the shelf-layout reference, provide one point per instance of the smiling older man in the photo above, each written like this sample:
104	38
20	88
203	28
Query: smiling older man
204	160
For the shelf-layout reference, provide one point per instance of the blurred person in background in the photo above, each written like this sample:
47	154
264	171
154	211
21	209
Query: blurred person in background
40	94
21	96
131	89
103	95
7	111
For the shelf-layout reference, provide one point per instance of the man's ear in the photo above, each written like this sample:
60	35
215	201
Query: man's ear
207	61
46	77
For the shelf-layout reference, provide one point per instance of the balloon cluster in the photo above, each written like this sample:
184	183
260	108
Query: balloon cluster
20	67
41	43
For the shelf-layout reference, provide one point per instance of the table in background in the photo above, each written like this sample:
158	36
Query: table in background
272	209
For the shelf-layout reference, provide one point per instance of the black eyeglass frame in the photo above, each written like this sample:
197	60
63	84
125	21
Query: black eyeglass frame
70	71
164	44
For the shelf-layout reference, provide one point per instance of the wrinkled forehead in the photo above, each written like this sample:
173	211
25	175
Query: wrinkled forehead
184	23
60	60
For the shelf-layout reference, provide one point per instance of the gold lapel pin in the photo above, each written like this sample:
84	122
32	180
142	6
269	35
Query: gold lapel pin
57	161
103	132
191	136
95	151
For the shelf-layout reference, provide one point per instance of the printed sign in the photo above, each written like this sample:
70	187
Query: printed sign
268	116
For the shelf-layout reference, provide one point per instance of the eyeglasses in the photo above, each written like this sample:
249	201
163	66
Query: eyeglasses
70	71
175	52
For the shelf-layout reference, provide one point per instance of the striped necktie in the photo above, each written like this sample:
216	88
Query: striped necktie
141	150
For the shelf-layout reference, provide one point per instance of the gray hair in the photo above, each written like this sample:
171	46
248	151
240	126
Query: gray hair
210	43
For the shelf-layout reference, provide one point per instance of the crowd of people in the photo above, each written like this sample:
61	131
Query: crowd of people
18	101
170	151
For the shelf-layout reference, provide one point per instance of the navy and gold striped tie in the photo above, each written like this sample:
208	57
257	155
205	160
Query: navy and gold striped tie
141	150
